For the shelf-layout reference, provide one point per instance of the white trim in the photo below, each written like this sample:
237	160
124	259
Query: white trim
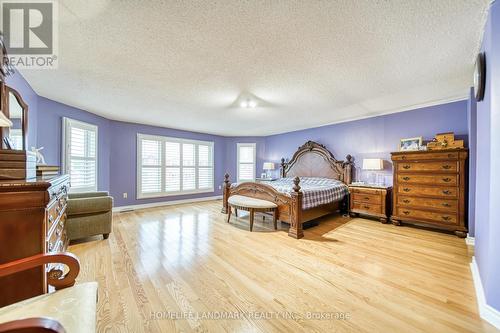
69	122
487	312
165	203
470	240
243	144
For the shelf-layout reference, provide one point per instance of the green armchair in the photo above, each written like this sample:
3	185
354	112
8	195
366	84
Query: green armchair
89	214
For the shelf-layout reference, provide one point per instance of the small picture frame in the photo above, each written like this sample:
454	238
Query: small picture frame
410	144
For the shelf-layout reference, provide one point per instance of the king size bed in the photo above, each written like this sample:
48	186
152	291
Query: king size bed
312	184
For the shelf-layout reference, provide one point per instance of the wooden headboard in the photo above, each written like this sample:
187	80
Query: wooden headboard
314	160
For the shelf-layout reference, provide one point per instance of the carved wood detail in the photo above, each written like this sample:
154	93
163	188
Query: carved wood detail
314	160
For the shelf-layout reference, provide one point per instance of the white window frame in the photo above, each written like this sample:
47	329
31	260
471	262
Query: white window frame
164	139
254	146
66	123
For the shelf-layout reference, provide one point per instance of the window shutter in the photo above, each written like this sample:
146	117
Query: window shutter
185	167
246	162
80	154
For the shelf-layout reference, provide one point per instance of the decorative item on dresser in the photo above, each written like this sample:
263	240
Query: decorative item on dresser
32	221
370	200
430	188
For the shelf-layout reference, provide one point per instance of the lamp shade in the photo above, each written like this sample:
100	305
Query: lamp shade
373	164
4	121
268	166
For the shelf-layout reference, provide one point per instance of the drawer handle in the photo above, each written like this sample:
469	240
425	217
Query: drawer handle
366	207
406	167
366	198
406	189
446	192
446	218
446	167
406	201
406	178
445	204
446	180
406	212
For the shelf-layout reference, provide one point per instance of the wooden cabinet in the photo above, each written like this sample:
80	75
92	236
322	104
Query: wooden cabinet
430	189
32	221
368	200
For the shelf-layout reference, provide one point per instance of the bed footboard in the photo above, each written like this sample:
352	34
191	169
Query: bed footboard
289	206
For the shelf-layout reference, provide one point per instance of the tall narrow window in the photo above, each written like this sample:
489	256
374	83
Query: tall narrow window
80	154
246	162
170	166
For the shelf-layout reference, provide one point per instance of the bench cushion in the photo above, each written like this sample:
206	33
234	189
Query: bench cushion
242	201
74	308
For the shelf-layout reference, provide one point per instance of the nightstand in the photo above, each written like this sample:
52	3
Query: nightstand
370	200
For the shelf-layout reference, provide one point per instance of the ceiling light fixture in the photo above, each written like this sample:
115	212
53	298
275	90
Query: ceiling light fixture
248	104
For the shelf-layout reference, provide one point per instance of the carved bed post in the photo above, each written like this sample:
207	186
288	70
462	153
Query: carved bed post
295	230
282	169
225	193
348	164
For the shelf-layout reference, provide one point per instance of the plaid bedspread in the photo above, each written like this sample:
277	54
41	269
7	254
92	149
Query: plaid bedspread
316	191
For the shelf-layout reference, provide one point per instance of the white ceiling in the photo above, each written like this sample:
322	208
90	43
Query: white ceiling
183	64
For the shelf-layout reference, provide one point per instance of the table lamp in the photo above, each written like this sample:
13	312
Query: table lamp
268	166
373	164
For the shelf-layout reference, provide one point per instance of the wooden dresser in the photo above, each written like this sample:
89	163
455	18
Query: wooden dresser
430	188
32	221
370	200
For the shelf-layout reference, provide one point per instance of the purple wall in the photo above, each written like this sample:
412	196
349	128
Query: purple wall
124	160
487	249
18	82
50	115
472	133
374	137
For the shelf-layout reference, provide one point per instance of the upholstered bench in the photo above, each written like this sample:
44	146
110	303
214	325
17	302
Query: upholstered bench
252	205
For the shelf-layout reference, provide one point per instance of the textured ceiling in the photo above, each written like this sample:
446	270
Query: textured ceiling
183	64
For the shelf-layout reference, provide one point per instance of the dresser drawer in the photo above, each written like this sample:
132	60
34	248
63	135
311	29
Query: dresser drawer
428	179
365	190
56	208
435	191
441	218
441	204
427	156
367	197
450	166
56	234
361	207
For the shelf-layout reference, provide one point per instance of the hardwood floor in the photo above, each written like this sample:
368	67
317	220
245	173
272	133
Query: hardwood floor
186	261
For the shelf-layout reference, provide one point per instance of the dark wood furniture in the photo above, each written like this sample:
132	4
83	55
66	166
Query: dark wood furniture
59	281
32	221
310	160
430	188
17	164
9	97
370	200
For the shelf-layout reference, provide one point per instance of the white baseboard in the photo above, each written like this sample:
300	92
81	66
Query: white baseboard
470	240
486	311
164	203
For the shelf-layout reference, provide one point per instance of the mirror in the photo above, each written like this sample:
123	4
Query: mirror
14	108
